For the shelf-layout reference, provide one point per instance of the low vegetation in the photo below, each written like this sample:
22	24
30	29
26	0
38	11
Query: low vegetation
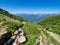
32	30
52	40
6	13
52	22
12	22
32	33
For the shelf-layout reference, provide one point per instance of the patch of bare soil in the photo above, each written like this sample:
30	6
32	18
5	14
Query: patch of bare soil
57	37
3	30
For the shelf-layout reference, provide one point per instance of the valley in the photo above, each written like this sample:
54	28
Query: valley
34	17
36	33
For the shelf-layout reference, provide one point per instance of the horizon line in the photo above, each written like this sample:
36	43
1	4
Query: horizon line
35	13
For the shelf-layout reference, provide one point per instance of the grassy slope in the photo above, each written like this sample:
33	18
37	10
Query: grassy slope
12	23
53	22
32	33
9	22
29	28
8	18
6	13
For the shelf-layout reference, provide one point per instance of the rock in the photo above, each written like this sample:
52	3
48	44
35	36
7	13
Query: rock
22	39
16	32
47	28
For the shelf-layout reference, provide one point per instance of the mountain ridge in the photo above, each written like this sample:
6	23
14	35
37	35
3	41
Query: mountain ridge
36	33
34	17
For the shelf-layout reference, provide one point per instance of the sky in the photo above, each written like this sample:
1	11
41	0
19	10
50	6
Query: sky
31	6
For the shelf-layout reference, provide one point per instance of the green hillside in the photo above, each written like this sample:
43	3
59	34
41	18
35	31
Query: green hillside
32	32
10	22
6	13
52	22
35	33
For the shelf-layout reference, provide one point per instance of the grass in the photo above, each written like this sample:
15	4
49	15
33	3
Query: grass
54	41
52	22
14	21
56	30
30	29
32	33
51	38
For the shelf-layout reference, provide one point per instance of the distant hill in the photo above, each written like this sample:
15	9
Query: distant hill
35	33
6	13
34	17
52	22
10	23
9	20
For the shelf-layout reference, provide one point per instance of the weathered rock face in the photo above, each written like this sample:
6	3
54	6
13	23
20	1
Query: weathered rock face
4	38
16	32
21	39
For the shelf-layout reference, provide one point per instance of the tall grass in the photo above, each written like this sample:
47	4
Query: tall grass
32	33
51	38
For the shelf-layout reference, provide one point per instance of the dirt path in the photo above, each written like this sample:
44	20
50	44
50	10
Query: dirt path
46	40
1	23
43	39
3	30
57	37
39	41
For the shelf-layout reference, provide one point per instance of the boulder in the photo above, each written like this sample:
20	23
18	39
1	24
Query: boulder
16	32
21	39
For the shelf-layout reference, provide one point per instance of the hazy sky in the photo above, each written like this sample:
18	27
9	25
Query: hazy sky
31	6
